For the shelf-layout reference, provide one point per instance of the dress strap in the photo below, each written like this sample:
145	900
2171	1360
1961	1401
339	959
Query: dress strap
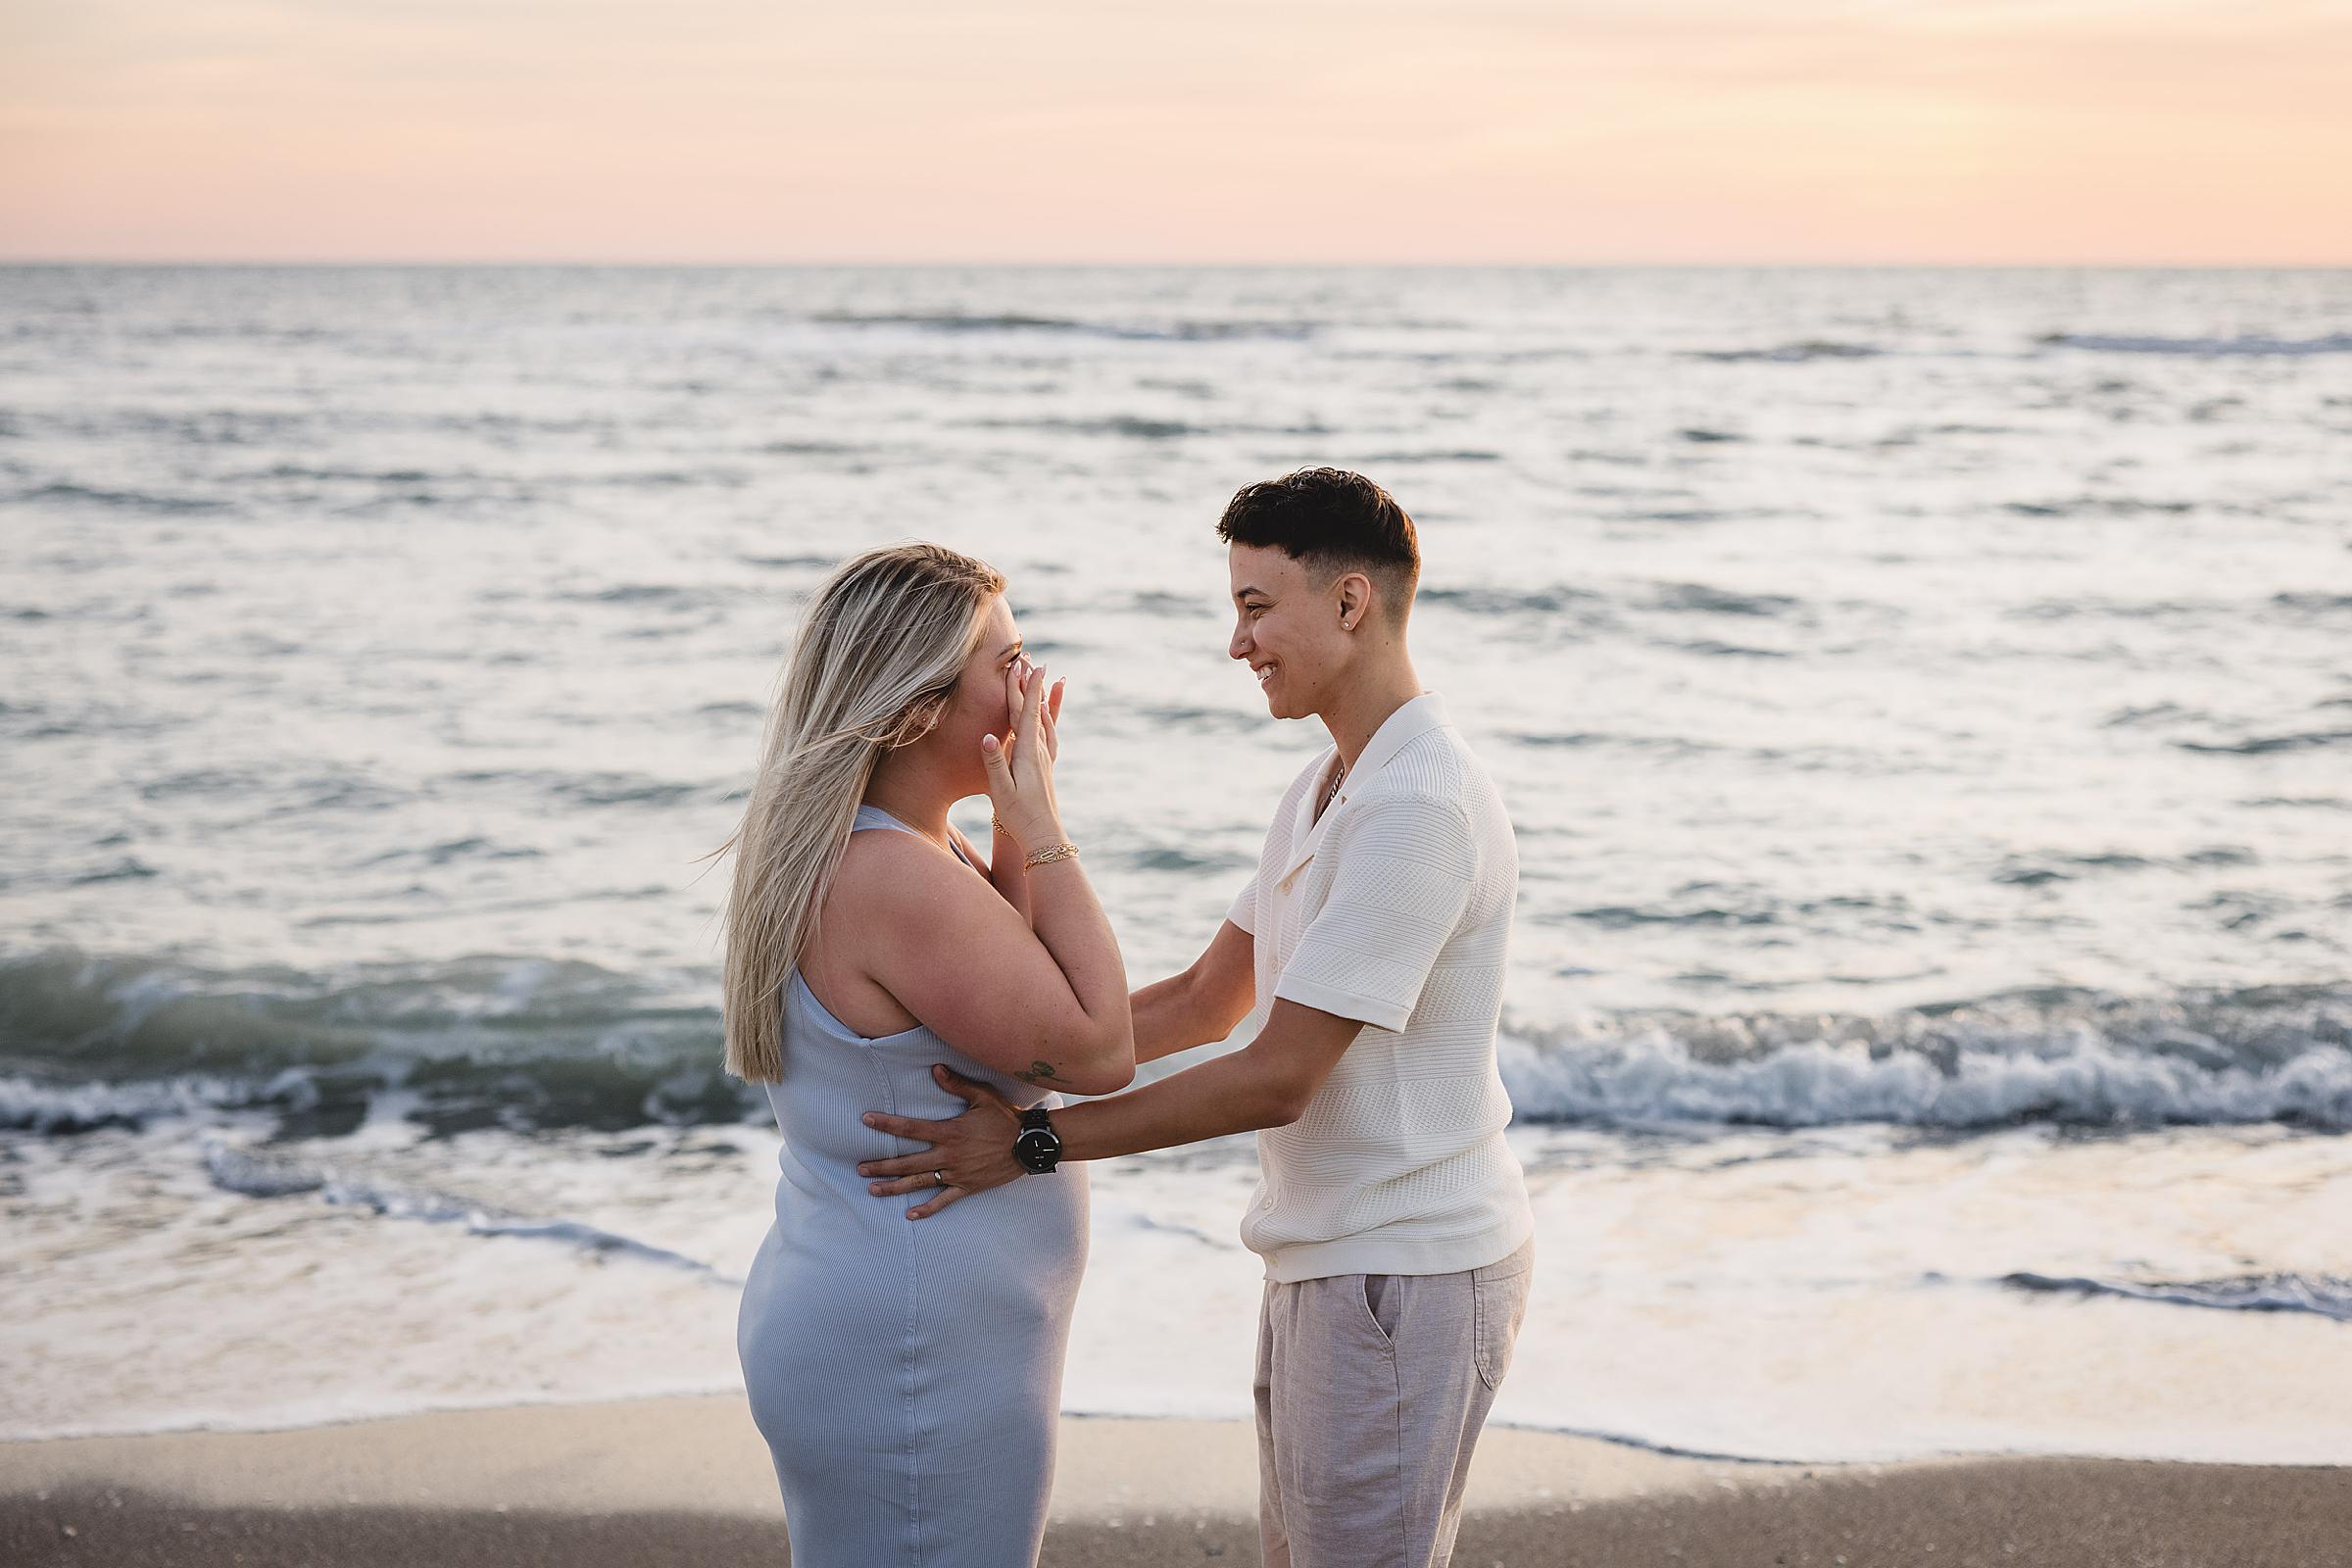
873	817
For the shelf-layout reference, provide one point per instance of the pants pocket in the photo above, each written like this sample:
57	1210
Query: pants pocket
1378	1294
1498	1305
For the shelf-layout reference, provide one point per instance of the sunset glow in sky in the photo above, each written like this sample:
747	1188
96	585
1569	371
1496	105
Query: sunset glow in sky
2162	131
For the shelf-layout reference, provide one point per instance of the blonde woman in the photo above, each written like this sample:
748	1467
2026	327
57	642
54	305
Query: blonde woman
908	1377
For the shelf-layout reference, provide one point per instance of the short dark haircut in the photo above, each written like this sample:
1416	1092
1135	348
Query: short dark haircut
1330	517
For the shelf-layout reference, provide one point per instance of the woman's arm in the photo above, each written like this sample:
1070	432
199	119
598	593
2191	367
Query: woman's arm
1003	868
1007	874
1042	999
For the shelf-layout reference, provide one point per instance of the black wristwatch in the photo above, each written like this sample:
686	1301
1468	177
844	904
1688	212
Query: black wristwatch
1037	1145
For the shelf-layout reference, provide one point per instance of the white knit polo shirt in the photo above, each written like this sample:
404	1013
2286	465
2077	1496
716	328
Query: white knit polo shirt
1395	908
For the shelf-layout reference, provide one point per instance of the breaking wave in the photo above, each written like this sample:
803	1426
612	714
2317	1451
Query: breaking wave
89	1041
2281	1055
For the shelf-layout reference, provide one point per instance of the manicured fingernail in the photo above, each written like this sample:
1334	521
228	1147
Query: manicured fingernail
988	743
869	1120
875	1189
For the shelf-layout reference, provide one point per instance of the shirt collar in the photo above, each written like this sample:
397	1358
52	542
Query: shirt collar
1408	723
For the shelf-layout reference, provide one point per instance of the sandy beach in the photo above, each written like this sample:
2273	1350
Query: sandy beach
686	1481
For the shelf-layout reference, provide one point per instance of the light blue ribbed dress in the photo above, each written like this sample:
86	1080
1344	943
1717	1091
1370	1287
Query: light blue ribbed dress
906	1374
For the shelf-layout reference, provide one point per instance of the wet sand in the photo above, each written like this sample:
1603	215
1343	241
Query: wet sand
685	1480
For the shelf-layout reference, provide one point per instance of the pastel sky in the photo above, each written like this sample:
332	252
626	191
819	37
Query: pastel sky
2160	131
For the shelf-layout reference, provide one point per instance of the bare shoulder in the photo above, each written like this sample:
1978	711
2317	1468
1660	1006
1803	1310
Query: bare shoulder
942	943
884	871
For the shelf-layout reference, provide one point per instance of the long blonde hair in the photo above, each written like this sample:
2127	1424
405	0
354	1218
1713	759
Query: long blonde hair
874	665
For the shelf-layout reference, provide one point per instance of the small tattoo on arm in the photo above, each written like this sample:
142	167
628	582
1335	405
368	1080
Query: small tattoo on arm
1040	1072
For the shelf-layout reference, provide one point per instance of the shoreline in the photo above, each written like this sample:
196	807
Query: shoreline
687	1480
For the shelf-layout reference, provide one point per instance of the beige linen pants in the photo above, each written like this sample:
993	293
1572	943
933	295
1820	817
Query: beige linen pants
1371	1391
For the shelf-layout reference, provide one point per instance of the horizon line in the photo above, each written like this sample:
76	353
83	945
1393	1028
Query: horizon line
1131	264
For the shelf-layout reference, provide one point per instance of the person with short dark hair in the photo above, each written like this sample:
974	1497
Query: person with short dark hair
1368	950
1340	519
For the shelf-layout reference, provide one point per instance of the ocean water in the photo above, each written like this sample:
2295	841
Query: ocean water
1925	700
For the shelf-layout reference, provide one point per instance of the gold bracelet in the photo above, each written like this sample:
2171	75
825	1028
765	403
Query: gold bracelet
1059	851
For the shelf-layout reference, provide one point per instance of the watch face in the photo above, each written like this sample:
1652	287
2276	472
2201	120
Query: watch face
1036	1147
